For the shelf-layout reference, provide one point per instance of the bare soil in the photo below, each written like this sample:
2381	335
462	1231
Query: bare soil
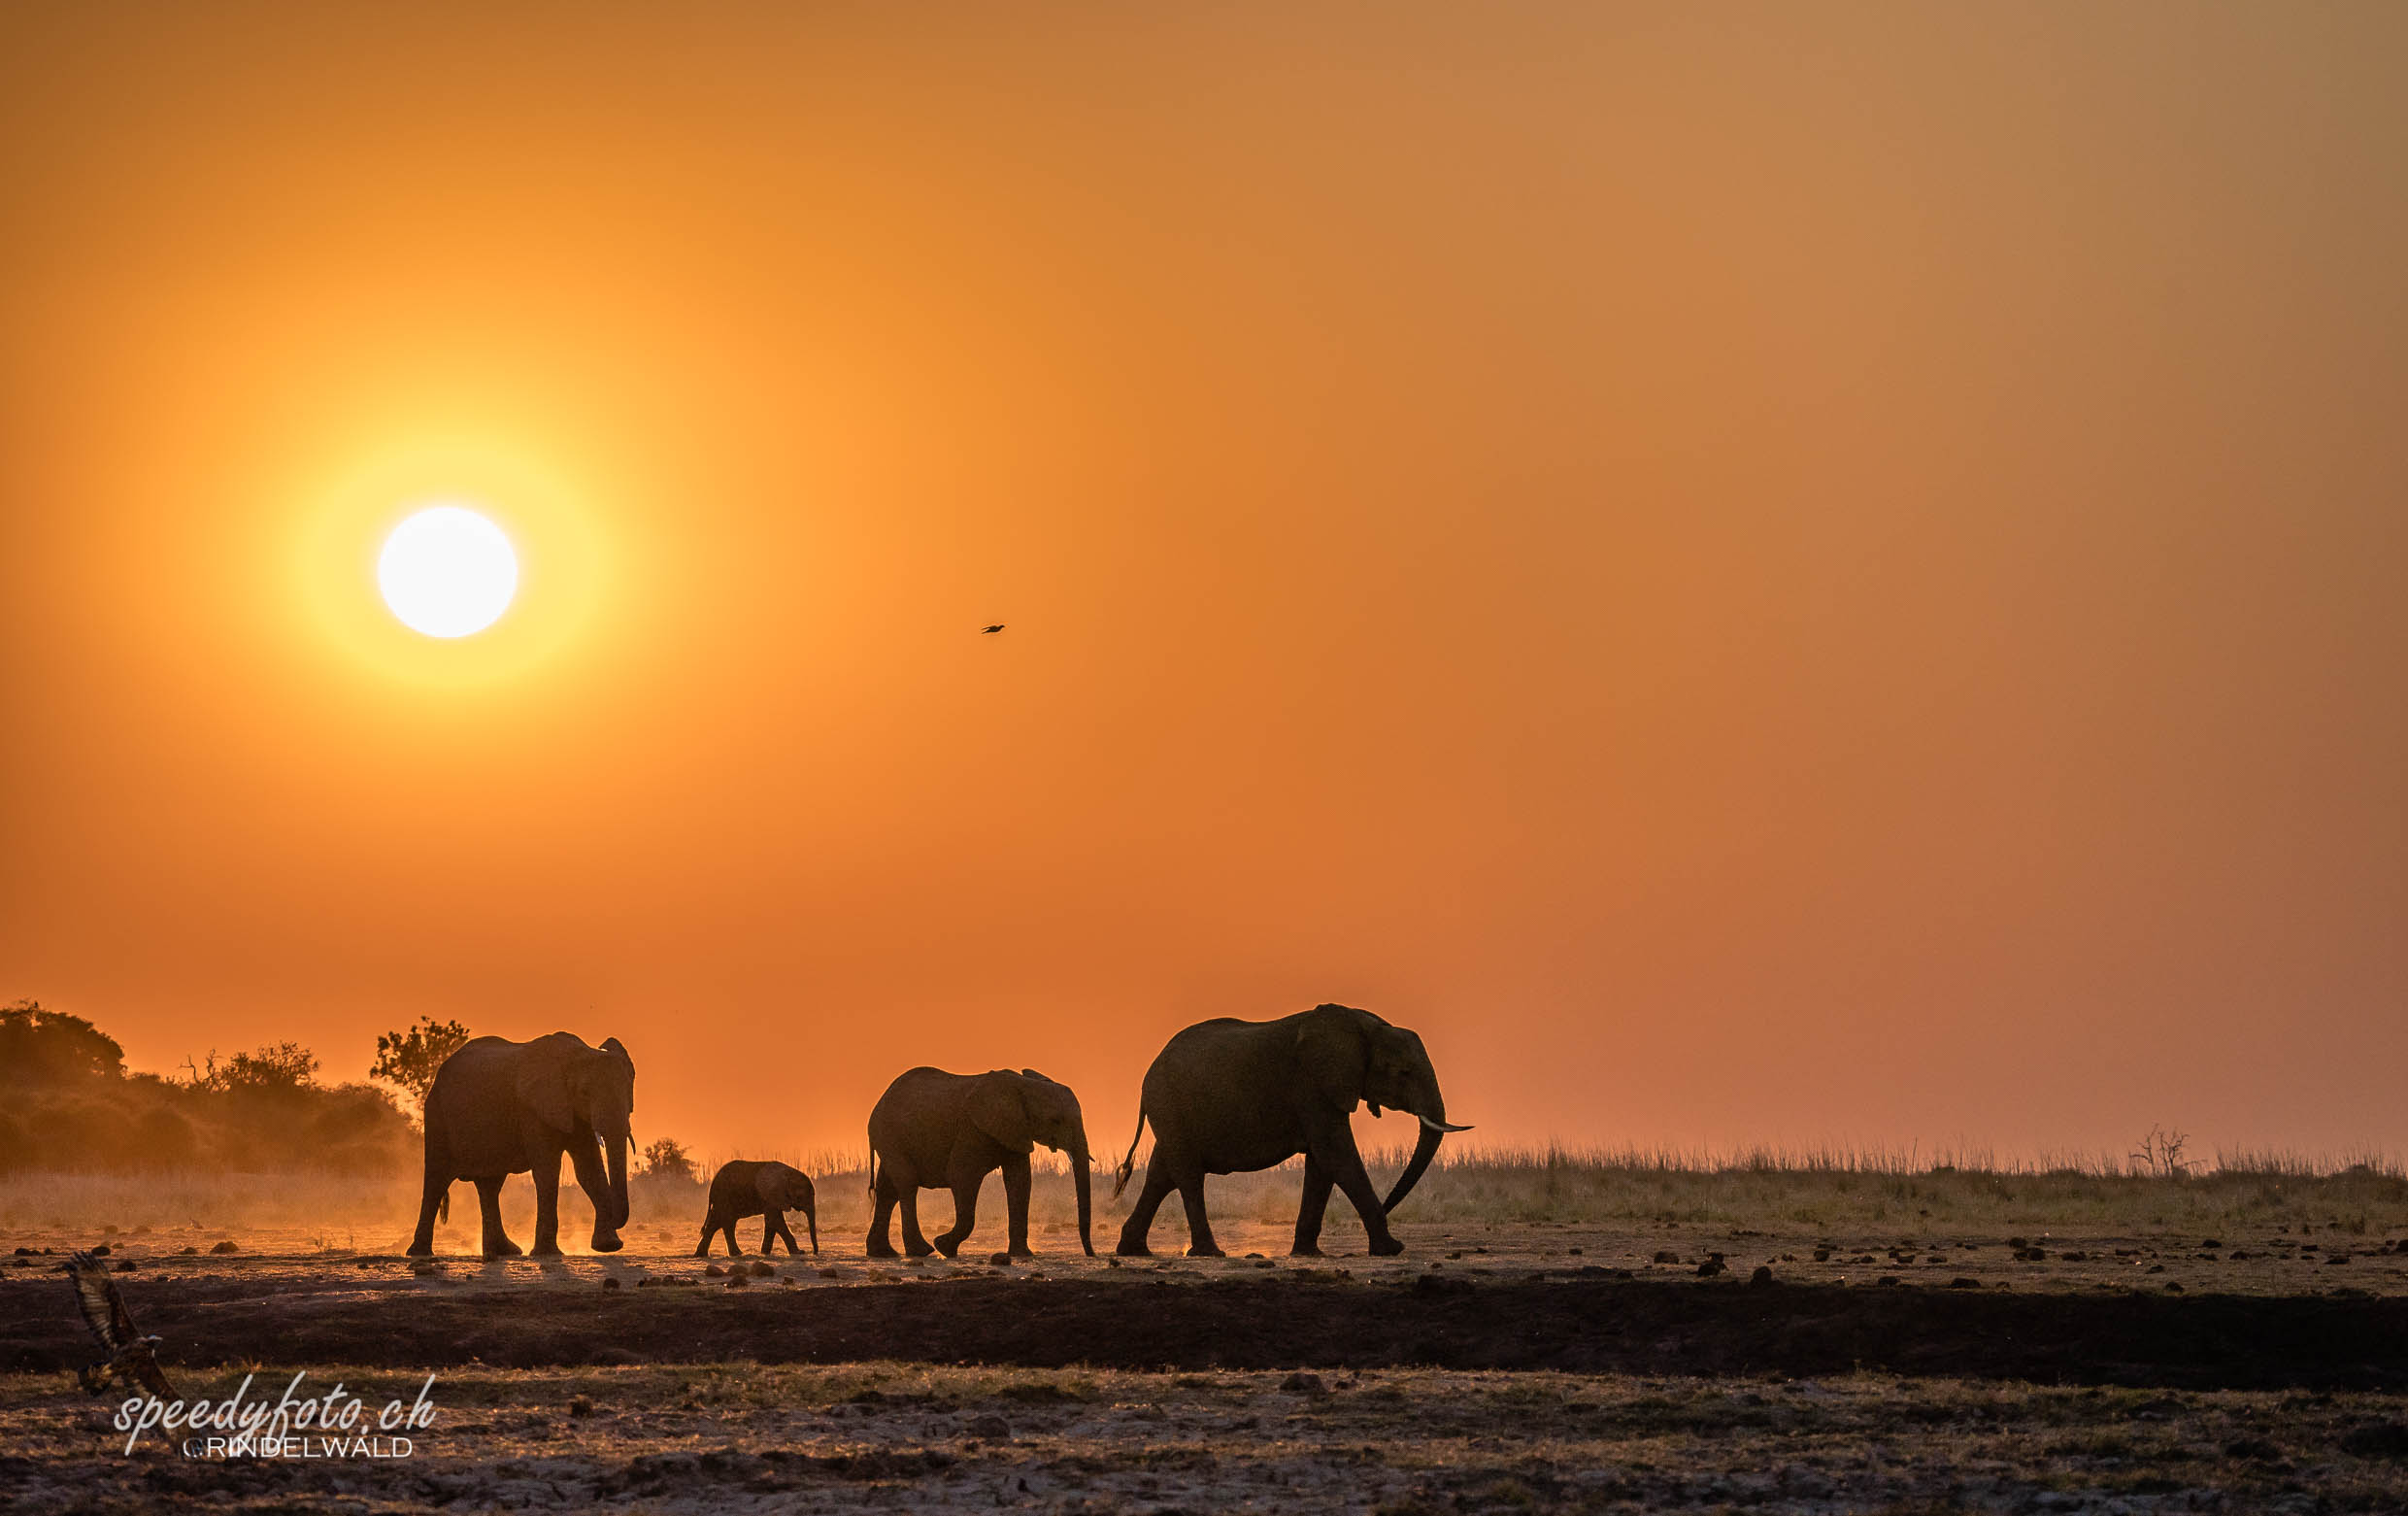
1494	1367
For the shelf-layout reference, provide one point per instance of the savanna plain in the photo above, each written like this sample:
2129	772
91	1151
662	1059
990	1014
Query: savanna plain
1574	1331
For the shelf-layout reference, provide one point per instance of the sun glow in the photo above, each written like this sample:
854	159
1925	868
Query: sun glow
448	572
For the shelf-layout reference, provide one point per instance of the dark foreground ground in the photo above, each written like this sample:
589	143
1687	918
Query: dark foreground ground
1499	1375
380	1313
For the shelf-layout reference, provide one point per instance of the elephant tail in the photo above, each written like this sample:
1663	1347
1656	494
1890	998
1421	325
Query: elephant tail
872	1178
1129	1163
443	1206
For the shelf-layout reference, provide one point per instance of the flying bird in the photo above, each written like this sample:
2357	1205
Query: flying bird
988	632
131	1355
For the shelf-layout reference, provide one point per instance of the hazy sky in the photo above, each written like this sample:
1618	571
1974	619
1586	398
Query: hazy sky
1755	572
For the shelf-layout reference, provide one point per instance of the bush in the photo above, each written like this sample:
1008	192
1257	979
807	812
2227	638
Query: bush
72	1108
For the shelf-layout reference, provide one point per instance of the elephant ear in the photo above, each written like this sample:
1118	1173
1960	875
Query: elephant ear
542	1086
614	1046
769	1183
1330	1045
997	1109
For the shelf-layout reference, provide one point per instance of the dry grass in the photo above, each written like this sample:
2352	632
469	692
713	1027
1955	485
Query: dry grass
1838	1190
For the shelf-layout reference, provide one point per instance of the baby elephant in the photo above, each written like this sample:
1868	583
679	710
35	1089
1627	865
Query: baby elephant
935	1131
744	1188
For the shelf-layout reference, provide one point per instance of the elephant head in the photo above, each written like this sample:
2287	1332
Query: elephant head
588	1095
1350	1055
1024	1109
786	1189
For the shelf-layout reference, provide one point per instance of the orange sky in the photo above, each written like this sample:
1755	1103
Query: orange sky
1756	573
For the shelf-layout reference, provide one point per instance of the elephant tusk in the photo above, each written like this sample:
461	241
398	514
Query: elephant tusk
1440	1126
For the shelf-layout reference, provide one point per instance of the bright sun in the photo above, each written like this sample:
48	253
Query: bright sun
448	572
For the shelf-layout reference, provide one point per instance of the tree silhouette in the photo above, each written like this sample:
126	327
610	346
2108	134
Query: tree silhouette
409	1059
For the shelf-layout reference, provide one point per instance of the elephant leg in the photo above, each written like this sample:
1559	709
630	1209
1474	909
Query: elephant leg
1316	1182
783	1230
771	1221
497	1243
965	1178
1201	1243
1141	1216
1015	1205
422	1240
547	1206
913	1244
710	1225
1337	1156
881	1245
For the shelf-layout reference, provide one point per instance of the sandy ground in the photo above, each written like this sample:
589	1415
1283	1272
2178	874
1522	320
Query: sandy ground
2250	1259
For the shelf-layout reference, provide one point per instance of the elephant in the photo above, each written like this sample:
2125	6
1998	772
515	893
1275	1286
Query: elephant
1229	1097
744	1188
935	1131
499	1108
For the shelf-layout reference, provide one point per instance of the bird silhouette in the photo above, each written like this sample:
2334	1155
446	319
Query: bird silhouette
988	632
131	1355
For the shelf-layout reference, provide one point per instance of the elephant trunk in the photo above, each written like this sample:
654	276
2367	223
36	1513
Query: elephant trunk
1079	1179
1434	1131
609	1207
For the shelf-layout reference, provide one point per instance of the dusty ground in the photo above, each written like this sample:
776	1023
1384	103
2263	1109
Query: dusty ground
903	1438
1494	1367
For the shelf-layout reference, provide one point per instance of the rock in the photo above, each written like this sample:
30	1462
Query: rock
1961	1282
225	1247
831	1274
1574	1252
102	1251
1822	1255
763	1270
714	1271
1763	1276
125	1265
610	1281
1302	1382
580	1406
1710	1268
1000	1260
1662	1256
738	1280
2210	1242
1887	1281
993	1428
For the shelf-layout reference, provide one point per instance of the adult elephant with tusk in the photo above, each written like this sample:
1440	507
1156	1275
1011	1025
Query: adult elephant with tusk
499	1108
1229	1097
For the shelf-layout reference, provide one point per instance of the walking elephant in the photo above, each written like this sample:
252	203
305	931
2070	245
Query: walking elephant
743	1187
935	1131
1229	1097
499	1108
